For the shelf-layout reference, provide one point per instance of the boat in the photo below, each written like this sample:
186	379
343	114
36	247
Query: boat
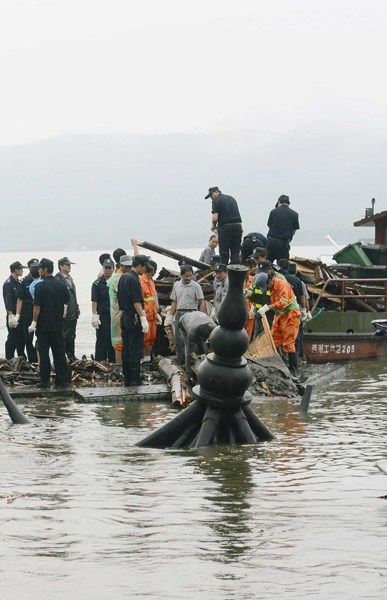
349	299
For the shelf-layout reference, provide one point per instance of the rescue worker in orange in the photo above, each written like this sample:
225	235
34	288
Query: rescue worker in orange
151	309
287	315
249	262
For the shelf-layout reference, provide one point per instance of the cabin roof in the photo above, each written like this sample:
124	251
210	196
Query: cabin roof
370	221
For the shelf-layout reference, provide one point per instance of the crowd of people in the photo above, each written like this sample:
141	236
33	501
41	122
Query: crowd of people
124	303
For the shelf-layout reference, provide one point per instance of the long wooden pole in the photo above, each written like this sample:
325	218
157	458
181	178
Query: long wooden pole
14	412
175	255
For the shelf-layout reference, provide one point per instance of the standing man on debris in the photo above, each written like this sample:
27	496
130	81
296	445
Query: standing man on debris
11	286
133	319
72	312
51	296
283	224
227	220
100	319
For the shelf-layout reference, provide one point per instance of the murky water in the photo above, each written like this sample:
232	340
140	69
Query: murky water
85	514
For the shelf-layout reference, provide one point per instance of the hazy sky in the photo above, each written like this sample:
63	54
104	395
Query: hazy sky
104	66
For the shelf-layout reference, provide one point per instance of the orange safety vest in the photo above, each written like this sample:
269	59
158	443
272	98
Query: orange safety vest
149	294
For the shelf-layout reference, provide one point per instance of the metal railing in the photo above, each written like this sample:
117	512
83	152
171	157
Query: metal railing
343	283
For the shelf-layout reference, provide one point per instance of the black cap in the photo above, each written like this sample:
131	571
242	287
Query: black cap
215	258
250	262
65	261
221	268
16	265
141	260
32	262
108	263
46	263
211	191
265	265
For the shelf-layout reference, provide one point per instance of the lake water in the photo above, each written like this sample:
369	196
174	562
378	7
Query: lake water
85	514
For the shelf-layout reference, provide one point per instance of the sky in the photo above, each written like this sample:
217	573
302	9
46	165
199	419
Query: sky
73	67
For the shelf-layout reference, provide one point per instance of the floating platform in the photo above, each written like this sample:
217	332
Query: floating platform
151	393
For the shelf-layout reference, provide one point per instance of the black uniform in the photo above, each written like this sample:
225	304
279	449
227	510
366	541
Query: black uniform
51	296
251	241
26	316
229	228
15	339
129	292
282	222
103	345
70	322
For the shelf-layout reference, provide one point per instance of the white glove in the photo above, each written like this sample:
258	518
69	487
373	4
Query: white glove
95	321
159	320
263	310
168	320
308	316
304	315
247	293
13	321
213	314
32	327
144	324
252	311
65	311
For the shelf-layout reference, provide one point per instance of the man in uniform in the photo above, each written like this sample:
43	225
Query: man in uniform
250	242
15	339
227	220
51	296
100	319
72	312
24	307
133	319
283	224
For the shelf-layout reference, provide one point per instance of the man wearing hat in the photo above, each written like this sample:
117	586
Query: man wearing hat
287	315
15	339
123	266
100	307
24	307
51	296
72	312
133	319
221	277
227	220
283	224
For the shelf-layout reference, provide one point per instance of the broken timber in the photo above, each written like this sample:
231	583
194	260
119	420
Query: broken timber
141	393
175	255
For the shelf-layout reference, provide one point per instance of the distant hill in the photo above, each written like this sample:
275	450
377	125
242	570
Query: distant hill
99	191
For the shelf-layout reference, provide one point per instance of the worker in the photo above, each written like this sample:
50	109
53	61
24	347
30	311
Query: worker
209	250
250	242
221	276
283	224
72	311
186	296
24	307
133	319
51	296
287	315
226	220
100	308
151	309
123	266
252	265
15	339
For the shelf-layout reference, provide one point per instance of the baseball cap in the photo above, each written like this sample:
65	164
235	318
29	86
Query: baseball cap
108	263
221	268
126	260
265	265
215	258
65	261
261	282
16	265
211	190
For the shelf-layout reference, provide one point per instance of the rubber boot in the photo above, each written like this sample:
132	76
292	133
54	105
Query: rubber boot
293	363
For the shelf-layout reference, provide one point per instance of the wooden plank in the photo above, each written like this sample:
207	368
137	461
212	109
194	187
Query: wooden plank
149	393
263	345
175	255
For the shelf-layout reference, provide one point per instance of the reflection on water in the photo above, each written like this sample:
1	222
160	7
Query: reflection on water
85	513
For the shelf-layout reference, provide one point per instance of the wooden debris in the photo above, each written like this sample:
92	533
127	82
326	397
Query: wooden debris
178	381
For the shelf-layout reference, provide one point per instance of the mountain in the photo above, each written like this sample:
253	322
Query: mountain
100	191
